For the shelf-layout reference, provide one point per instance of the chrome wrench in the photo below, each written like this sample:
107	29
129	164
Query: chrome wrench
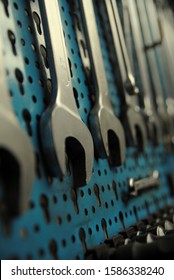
15	147
153	124
62	130
106	128
134	116
163	60
148	41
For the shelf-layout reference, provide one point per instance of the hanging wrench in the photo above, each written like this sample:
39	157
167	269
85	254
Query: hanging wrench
134	116
14	147
106	128
62	130
153	123
163	61
148	44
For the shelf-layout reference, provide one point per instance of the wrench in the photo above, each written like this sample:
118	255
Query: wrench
106	128
153	124
15	147
156	81
62	130
165	68
134	116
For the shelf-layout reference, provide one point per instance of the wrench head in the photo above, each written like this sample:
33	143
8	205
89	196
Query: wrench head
137	128
108	135
66	138
17	159
154	129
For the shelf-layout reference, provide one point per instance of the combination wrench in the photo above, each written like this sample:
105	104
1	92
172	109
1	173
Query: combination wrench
107	130
63	134
16	153
163	59
132	115
149	45
153	121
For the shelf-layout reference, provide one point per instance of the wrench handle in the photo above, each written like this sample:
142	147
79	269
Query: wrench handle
139	46
95	52
157	36
57	54
150	56
115	24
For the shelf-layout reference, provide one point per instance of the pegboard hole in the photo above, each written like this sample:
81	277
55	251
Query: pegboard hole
73	239
69	218
34	99
27	60
89	191
30	79
36	228
27	118
93	209
19	75
81	193
63	243
97	228
59	220
44	205
15	5
41	253
53	249
64	197
22	42
54	199
19	23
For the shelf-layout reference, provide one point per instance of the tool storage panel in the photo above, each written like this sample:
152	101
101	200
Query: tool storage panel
47	212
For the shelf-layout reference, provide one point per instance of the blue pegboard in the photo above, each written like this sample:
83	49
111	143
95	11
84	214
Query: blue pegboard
70	210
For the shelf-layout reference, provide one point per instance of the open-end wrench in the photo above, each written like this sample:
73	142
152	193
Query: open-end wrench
134	117
15	147
148	42
153	123
163	60
106	128
166	19
62	130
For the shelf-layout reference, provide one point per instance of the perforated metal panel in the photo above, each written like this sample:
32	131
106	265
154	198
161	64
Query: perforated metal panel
62	220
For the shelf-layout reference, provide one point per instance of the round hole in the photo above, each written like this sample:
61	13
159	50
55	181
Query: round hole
22	42
15	5
89	191
30	79
64	197
54	199
97	228
59	220
69	218
34	98
26	60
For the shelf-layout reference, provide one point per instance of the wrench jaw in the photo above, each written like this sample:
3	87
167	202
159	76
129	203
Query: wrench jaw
64	136
17	158
154	129
108	135
137	129
167	127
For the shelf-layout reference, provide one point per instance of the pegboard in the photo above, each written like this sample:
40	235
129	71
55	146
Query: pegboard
63	220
